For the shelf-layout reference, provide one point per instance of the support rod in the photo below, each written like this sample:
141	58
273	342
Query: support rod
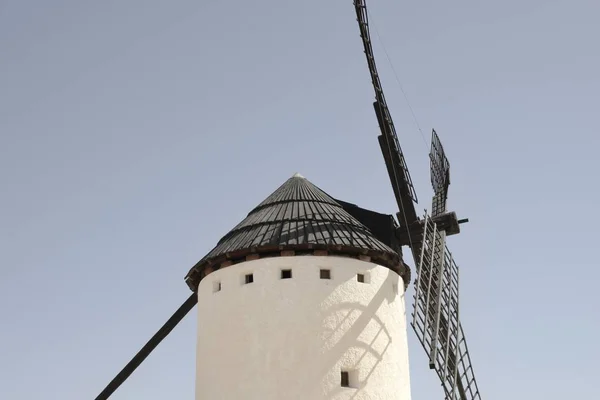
135	362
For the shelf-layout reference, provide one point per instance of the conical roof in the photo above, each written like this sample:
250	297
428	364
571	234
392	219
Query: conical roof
301	217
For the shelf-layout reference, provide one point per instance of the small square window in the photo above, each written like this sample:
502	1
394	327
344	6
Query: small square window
360	278
216	286
249	278
349	379
345	379
325	274
286	274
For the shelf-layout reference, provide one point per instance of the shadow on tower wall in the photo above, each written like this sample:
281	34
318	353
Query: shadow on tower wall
359	341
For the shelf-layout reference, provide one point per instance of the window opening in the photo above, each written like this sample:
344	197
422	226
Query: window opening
345	381
286	274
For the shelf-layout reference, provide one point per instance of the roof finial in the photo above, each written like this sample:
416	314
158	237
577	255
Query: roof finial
297	175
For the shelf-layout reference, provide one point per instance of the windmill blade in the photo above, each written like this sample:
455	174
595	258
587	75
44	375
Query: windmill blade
435	317
436	312
162	333
440	174
400	179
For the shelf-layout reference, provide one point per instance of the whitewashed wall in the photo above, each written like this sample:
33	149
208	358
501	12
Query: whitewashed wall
284	339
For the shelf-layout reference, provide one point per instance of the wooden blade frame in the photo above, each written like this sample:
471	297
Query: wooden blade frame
440	175
400	179
435	317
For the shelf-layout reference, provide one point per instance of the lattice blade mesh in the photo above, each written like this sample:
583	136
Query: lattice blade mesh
435	317
439	165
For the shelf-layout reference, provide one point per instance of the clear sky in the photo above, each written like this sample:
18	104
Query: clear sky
134	134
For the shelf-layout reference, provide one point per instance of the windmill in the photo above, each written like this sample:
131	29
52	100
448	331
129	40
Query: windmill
342	241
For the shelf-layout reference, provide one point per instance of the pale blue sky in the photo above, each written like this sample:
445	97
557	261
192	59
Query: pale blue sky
134	134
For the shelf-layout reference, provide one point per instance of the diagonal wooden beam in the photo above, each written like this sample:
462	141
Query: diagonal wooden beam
154	341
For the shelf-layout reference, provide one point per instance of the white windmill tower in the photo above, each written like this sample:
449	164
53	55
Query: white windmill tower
301	301
304	299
